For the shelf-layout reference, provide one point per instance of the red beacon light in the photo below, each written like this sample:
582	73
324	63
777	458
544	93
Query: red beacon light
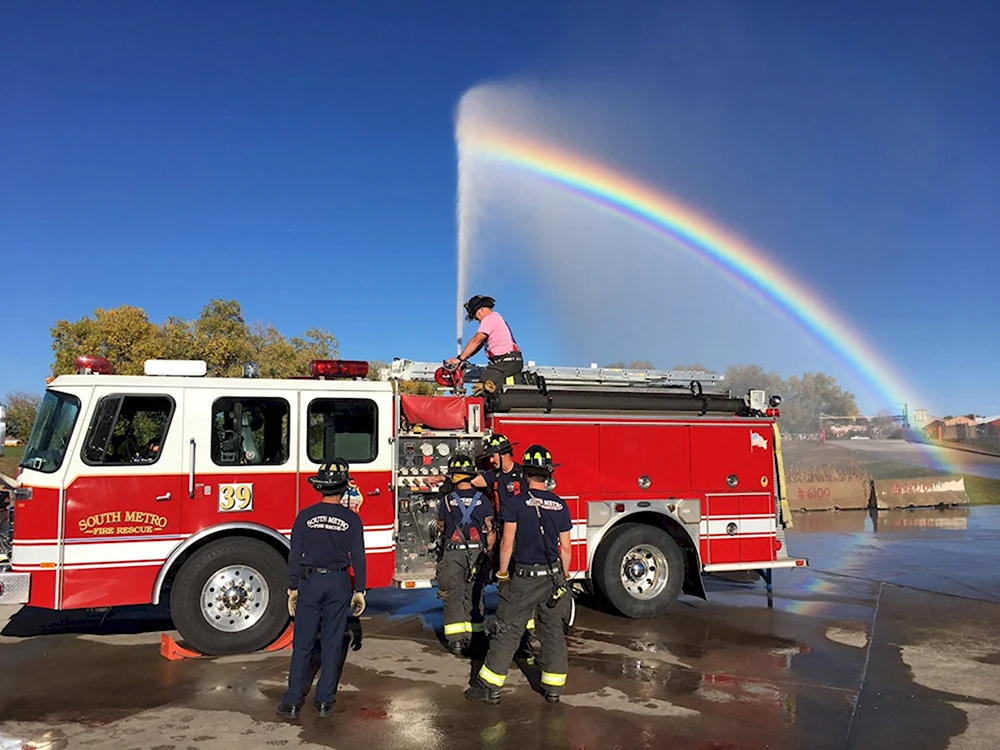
91	364
338	368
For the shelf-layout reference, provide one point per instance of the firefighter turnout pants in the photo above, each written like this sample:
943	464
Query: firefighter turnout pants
462	597
500	369
519	598
320	613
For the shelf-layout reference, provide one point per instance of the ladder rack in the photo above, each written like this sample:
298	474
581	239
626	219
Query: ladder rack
404	369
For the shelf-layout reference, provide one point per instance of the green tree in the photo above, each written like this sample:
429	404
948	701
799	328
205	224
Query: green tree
741	378
220	336
405	386
811	395
22	408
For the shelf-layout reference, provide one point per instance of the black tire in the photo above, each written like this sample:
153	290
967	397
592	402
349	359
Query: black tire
185	597
607	570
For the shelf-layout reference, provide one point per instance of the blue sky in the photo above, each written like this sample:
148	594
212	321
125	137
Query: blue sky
300	158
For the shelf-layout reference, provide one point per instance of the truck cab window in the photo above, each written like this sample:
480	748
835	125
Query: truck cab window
250	431
51	434
343	428
128	430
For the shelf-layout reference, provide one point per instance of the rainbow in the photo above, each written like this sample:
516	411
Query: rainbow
652	210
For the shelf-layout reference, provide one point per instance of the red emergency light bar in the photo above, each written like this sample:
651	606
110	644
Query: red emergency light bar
87	364
338	368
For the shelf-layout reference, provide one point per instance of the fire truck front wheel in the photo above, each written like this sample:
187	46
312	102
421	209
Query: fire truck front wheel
639	570
229	597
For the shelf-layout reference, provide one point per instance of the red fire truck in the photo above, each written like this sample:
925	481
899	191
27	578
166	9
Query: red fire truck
181	488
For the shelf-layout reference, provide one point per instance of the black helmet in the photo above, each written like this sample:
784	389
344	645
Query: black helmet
537	461
498	445
461	465
475	302
332	478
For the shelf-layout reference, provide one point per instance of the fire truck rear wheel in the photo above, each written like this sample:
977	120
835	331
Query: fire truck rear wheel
639	570
229	597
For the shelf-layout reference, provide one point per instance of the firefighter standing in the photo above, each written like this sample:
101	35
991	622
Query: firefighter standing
505	357
465	527
538	525
327	539
507	481
505	478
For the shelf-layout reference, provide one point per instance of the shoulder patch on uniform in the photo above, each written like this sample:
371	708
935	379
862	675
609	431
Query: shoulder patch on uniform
329	523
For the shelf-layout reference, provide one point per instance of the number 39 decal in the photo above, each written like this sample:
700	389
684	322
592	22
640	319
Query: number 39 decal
235	497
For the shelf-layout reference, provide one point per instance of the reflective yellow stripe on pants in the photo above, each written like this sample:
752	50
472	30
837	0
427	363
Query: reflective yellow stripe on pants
555	680
457	628
497	680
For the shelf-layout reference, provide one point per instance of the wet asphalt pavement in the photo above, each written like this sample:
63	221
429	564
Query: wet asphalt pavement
891	639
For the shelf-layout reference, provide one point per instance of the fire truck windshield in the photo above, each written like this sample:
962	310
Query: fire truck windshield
51	434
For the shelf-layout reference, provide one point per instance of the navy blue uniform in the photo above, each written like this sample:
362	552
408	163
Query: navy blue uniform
528	540
531	586
452	511
327	538
508	485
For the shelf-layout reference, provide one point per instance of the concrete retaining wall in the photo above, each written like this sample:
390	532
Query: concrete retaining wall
828	495
920	493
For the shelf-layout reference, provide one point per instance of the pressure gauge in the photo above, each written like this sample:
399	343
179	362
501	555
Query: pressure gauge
427	449
443	449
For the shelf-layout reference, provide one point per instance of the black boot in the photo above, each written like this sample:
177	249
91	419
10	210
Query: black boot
457	647
550	697
483	694
324	708
289	710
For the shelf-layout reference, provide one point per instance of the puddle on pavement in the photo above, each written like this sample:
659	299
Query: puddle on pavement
881	522
936	549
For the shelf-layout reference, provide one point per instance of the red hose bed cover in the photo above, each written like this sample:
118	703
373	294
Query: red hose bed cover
434	412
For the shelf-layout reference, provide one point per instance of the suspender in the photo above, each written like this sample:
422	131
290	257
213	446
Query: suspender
511	332
466	512
541	529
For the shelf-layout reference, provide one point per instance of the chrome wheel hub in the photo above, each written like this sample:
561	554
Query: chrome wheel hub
644	571
234	598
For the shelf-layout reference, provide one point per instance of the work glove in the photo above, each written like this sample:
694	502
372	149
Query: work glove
358	603
293	597
354	628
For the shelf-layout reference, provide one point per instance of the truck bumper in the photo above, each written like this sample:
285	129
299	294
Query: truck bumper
15	588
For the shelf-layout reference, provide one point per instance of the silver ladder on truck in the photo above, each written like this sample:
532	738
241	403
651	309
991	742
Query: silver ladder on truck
405	369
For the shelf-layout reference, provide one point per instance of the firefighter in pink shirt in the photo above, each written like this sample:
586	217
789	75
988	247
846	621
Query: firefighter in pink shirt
504	355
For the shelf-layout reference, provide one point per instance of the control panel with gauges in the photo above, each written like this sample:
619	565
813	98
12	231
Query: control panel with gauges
421	468
423	461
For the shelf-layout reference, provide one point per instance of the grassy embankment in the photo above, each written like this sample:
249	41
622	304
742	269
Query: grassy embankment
9	462
815	462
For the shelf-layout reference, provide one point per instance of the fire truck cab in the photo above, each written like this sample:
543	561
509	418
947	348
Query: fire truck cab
181	488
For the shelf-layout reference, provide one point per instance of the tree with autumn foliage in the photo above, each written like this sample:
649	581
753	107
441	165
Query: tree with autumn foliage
220	336
804	398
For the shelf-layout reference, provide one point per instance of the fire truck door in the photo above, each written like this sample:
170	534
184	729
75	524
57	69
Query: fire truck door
124	491
240	458
357	427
